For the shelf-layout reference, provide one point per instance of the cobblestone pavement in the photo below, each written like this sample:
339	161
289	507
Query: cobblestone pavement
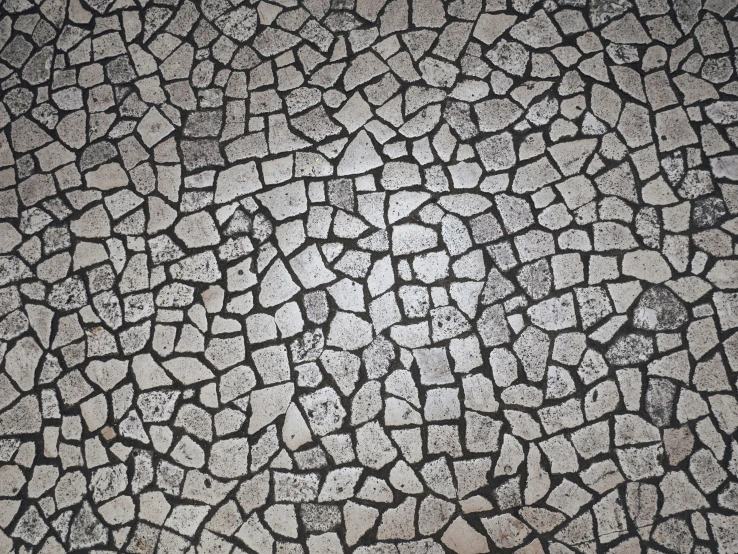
372	276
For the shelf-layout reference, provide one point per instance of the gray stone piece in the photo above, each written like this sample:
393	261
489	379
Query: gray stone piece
371	276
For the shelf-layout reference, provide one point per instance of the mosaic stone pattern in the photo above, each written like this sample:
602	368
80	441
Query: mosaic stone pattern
368	276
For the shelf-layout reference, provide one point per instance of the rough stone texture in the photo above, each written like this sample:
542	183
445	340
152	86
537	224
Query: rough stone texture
371	276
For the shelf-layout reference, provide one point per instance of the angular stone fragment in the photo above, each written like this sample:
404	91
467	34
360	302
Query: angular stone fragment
239	24
324	410
25	135
497	152
285	201
236	181
21	418
537	31
197	230
310	269
226	456
619	182
359	156
188	369
462	538
202	268
493	327
554	314
349	332
648	265
679	494
724	530
276	286
373	447
658	309
490	27
534	176
268	404
674	130
153	127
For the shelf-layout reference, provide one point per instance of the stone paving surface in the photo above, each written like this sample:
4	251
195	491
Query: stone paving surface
372	276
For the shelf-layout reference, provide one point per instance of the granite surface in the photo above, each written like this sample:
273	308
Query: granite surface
371	276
